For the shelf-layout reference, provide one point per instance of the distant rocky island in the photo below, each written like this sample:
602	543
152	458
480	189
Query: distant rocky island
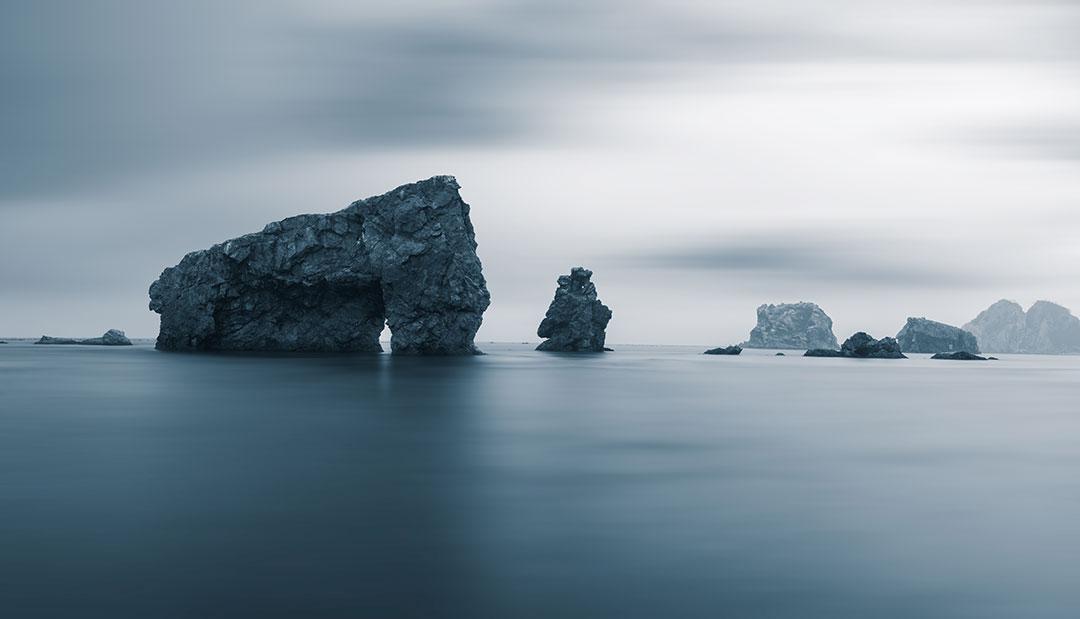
726	350
920	335
862	346
112	337
1046	328
576	320
962	355
331	282
792	326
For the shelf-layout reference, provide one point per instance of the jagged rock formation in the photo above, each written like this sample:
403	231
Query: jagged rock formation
920	335
962	355
1046	328
862	346
576	319
1000	327
330	282
112	337
792	325
724	350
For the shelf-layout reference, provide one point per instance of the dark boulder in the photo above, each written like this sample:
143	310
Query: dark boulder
112	337
862	346
961	355
724	350
920	335
792	325
331	282
576	319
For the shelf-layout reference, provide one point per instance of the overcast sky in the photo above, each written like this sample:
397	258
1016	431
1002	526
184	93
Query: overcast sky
883	159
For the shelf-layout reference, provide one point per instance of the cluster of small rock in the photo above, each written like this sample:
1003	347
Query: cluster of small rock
862	346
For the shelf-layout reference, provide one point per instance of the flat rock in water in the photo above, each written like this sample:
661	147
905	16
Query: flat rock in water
724	350
959	356
112	337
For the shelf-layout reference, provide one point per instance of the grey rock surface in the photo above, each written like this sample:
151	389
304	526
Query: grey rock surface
330	282
962	355
793	326
920	335
576	319
112	337
999	328
862	346
724	350
1046	328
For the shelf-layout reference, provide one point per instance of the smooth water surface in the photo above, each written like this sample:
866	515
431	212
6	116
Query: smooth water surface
649	482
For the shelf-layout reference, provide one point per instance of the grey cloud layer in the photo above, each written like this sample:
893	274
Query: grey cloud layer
96	91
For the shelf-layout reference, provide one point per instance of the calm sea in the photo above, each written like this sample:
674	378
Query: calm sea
650	482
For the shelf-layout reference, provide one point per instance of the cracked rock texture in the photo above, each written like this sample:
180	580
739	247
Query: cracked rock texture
793	326
862	346
112	337
330	282
576	319
927	336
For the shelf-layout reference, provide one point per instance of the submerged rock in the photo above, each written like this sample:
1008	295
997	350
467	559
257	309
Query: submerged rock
1046	328
920	335
331	282
576	320
961	355
792	325
724	350
862	346
112	337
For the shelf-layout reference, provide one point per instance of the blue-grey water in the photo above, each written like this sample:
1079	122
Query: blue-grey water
649	482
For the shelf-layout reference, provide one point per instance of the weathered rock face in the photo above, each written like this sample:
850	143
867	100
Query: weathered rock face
1000	327
792	325
576	319
962	355
112	337
725	350
862	346
330	282
1046	328
927	336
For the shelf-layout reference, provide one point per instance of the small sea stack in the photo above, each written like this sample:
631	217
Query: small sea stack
724	350
928	336
792	326
862	346
576	319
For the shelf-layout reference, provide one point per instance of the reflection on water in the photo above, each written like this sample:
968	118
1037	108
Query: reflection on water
651	482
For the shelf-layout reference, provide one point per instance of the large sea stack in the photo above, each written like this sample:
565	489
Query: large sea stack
576	320
1046	328
920	335
331	282
862	346
792	326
